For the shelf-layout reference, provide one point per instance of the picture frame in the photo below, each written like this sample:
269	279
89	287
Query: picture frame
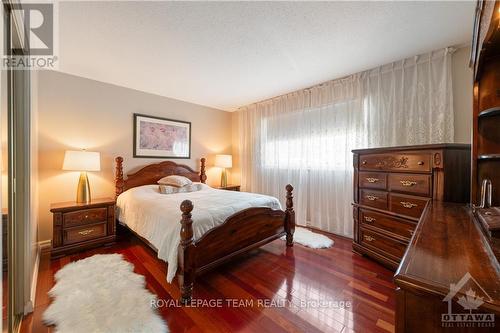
158	137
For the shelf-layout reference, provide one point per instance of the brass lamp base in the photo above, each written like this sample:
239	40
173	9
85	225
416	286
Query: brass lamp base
83	190
223	178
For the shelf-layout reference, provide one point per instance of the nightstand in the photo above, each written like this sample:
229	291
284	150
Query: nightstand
79	227
229	188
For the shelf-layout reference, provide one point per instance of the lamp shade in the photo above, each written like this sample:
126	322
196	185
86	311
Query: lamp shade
82	160
224	161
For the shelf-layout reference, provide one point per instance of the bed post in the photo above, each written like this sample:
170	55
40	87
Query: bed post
203	175
186	247
290	216
119	176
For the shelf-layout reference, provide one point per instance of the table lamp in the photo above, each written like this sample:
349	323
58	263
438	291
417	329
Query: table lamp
82	161
223	161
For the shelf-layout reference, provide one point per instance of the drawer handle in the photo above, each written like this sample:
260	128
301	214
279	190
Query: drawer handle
420	163
86	216
369	238
411	231
408	182
371	197
372	180
370	219
407	204
364	162
86	232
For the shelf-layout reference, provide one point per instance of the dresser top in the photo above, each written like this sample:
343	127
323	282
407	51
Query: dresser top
72	205
459	146
447	245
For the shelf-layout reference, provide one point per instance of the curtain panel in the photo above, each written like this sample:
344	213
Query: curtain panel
305	138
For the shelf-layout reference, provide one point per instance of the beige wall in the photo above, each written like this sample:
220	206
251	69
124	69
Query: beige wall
77	113
462	95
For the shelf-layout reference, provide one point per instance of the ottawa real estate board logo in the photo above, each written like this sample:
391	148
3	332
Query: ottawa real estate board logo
472	297
33	36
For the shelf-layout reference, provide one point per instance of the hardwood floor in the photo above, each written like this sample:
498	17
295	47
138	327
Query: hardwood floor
290	288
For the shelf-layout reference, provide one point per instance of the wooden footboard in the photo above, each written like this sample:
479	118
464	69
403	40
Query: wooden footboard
243	231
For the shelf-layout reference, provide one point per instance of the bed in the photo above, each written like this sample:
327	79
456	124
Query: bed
226	224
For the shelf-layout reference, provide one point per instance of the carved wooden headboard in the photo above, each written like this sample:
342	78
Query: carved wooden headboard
150	174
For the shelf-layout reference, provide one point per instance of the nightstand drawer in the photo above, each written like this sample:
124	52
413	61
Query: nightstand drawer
85	216
84	233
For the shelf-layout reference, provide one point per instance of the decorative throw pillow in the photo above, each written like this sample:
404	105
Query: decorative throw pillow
177	181
167	189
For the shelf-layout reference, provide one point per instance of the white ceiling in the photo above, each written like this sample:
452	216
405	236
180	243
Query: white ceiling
229	54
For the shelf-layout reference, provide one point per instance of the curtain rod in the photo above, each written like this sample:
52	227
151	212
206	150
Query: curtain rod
449	49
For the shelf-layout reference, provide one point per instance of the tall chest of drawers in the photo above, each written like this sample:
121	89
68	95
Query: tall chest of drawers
392	187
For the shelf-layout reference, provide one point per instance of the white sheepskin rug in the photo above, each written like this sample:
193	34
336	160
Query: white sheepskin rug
102	294
311	239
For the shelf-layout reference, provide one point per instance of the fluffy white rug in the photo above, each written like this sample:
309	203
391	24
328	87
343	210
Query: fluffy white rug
102	294
311	239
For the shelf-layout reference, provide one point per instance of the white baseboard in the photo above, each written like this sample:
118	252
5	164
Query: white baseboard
30	305
43	247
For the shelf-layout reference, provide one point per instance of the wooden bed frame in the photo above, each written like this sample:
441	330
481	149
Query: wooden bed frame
241	232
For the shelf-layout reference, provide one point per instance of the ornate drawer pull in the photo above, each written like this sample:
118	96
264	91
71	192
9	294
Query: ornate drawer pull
371	197
420	163
86	217
407	204
370	219
411	231
369	238
364	162
408	182
372	180
86	232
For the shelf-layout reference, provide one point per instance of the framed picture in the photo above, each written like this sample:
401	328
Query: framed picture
158	137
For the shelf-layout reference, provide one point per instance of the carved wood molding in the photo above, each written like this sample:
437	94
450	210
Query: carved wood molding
150	174
392	162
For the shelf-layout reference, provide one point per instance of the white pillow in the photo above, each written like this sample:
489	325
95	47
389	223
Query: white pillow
177	181
167	189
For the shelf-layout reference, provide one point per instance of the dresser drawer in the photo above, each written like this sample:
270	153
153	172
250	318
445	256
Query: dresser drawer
376	180
410	183
372	198
387	223
407	205
396	162
383	244
85	216
84	233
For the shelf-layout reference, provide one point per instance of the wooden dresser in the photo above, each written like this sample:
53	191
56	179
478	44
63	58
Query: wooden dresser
77	227
392	187
449	278
448	250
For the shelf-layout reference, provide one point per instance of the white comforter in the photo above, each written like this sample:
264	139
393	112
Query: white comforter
156	216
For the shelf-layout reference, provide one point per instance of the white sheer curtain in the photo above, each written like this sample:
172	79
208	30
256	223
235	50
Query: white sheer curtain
305	138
